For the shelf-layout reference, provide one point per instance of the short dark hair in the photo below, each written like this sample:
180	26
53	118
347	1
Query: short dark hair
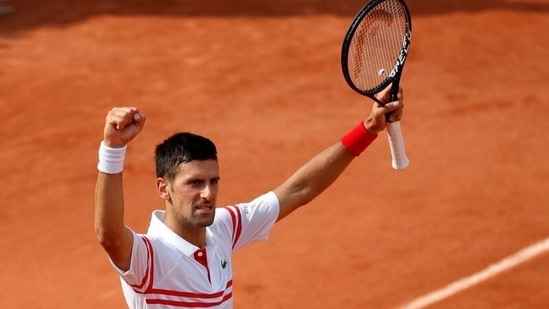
181	148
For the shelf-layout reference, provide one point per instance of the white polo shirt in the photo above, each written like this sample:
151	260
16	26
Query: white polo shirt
166	271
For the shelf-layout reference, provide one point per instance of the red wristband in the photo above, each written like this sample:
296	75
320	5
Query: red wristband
358	139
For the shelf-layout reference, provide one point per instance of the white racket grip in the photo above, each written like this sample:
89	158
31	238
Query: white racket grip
396	143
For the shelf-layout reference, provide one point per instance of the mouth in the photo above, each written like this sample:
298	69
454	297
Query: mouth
204	209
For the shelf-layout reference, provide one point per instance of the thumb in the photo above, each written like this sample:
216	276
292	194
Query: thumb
139	120
137	124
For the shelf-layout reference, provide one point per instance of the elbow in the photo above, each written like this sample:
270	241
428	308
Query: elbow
105	238
303	197
308	193
101	236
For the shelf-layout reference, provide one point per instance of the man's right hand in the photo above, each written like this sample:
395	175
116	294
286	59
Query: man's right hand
122	124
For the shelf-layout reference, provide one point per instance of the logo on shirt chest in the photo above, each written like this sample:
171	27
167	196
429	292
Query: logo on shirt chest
223	264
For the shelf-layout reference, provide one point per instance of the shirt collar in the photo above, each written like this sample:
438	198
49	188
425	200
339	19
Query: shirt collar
157	227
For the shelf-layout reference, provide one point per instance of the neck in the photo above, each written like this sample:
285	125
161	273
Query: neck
197	238
191	233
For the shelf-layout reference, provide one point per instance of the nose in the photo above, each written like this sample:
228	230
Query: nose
207	193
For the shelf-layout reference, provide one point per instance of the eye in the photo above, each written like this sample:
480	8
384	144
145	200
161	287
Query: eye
196	182
215	181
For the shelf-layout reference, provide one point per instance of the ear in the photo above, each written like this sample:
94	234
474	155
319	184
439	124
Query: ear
163	189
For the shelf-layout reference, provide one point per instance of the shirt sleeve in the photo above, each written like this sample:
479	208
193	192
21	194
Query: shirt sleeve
139	276
252	221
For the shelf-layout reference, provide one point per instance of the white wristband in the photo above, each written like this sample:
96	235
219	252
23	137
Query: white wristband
111	160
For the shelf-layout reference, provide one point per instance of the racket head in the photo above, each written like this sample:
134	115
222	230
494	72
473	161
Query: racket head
376	46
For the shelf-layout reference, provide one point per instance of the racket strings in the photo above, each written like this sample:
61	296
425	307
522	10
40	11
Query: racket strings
377	44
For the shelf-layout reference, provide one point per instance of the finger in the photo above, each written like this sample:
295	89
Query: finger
396	115
116	120
396	112
400	96
392	106
120	117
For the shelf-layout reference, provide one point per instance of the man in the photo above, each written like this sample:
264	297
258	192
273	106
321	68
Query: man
185	258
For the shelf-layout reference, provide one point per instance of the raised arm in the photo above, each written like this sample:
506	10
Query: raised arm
121	126
322	170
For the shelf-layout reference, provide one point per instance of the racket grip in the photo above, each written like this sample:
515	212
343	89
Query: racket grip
396	144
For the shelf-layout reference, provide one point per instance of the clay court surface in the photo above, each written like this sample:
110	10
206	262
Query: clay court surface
262	79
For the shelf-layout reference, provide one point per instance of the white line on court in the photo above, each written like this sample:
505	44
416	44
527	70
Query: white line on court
490	271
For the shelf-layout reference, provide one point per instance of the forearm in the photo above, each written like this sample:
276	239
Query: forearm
109	209
313	178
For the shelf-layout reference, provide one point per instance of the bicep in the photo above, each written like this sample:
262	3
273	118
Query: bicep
120	251
289	200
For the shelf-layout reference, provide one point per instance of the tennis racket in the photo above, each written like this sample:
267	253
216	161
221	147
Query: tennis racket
373	56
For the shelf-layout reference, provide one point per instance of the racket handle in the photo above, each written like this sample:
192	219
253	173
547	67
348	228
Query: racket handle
396	143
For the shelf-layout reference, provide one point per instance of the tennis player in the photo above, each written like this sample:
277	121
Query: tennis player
184	260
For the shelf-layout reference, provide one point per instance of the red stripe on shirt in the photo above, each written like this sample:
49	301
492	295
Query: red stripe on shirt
188	304
236	218
190	294
150	268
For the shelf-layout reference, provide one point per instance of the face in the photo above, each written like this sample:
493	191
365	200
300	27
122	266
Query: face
191	196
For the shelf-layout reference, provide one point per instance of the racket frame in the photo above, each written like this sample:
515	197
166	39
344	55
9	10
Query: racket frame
396	71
